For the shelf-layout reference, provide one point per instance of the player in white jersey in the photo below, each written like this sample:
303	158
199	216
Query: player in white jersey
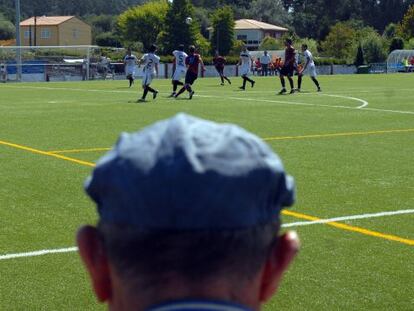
245	64
150	63
308	68
130	62
179	68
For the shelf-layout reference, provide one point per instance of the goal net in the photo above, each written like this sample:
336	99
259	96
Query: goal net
60	63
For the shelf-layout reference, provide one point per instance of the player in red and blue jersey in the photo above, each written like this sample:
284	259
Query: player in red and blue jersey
219	62
192	61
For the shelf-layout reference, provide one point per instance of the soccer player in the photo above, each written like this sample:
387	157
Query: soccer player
192	61
308	68
179	68
246	64
130	62
150	62
219	62
288	67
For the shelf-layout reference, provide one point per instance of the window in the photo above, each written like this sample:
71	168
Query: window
27	34
45	34
75	33
241	37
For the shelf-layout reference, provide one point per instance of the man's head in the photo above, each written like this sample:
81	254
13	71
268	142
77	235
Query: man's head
191	49
188	208
288	42
265	53
153	48
129	51
304	47
181	47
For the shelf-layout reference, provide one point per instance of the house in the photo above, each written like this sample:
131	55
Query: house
252	32
55	31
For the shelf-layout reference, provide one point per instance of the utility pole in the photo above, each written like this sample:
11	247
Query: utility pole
18	43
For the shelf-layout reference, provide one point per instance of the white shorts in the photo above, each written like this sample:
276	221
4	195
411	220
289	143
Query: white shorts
130	70
310	71
244	70
179	73
147	78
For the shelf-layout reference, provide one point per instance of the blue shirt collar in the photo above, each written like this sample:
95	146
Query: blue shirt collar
198	305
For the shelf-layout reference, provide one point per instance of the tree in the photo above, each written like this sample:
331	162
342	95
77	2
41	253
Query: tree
223	30
390	31
406	28
359	59
270	11
177	31
270	44
373	46
397	43
340	42
7	29
143	23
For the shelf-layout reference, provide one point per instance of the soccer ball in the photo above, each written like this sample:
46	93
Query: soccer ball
188	20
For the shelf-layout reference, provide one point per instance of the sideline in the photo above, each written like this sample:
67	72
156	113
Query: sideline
312	221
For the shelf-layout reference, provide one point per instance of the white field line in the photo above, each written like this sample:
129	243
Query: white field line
364	103
39	253
346	218
288	225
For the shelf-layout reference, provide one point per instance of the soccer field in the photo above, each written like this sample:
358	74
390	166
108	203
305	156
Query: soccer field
350	149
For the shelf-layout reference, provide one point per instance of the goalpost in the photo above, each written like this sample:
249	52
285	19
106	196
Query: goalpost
58	63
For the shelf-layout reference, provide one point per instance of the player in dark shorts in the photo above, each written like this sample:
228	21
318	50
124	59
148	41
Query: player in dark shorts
219	62
288	67
192	61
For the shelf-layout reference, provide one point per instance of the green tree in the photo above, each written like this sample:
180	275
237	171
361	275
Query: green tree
223	30
373	46
177	30
238	46
390	31
340	42
359	59
270	11
142	23
7	29
406	28
271	44
397	43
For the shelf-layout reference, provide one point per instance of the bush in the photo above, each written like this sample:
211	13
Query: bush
108	39
270	43
237	48
324	61
7	30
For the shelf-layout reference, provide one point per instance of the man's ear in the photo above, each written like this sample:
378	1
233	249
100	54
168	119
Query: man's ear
279	258
94	257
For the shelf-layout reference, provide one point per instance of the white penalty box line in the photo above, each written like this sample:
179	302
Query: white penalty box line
287	225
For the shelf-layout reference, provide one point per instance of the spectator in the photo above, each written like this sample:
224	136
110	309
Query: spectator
188	219
265	60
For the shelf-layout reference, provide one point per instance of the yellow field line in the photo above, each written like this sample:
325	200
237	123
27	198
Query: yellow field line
351	228
79	150
338	134
288	213
5	143
270	139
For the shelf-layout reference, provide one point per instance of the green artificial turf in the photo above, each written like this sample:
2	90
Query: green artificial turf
346	161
